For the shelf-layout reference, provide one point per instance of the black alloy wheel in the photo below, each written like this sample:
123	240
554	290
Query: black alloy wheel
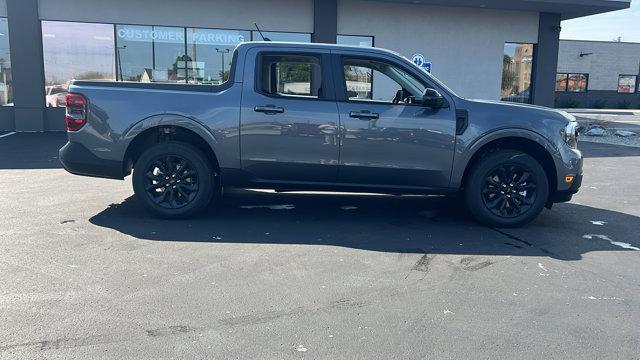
509	190
172	181
506	188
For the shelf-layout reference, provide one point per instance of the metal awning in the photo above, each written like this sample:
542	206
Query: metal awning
569	9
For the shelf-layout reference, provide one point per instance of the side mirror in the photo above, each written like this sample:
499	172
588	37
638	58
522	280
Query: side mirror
431	98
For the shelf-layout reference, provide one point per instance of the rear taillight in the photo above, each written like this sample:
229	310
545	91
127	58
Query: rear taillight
76	115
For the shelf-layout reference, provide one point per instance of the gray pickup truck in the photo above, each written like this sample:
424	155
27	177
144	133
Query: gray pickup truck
321	117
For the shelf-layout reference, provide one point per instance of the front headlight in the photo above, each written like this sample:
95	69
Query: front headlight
570	134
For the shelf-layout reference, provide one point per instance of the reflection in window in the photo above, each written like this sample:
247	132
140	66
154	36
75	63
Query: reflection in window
150	53
78	51
282	36
627	84
355	40
297	75
210	54
377	81
517	64
6	88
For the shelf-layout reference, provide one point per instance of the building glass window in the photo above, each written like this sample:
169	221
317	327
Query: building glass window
561	82
572	82
355	40
577	82
150	53
133	53
6	88
627	84
282	36
517	65
209	54
169	55
78	51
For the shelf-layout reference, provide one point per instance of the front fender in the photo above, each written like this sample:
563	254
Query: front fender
467	148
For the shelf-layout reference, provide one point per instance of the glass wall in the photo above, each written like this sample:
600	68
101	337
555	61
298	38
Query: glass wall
6	88
150	53
134	53
146	53
75	51
209	54
517	65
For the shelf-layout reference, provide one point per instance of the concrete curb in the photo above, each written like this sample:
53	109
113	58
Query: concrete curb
602	111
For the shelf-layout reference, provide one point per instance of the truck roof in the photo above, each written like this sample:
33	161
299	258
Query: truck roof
250	44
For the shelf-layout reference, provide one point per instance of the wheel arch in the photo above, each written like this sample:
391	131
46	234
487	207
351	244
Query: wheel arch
162	129
526	141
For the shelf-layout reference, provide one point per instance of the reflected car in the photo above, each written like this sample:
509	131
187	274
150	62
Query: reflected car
56	95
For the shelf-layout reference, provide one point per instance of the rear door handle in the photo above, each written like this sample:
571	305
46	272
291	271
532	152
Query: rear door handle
364	115
269	109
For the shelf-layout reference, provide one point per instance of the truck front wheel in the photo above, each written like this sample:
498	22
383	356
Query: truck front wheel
506	188
173	180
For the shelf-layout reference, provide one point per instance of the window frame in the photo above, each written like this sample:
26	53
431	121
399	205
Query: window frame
566	80
325	74
341	81
636	87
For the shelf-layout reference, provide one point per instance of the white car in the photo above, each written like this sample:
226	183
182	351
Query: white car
56	95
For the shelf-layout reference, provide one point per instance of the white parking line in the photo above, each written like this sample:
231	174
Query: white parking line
7	134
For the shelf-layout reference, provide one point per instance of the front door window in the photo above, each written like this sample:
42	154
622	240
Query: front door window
369	80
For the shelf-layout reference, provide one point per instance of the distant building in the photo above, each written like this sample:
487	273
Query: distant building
601	74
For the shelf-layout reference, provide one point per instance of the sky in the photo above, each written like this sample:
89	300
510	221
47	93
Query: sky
605	27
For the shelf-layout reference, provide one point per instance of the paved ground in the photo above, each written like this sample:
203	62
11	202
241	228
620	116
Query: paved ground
87	275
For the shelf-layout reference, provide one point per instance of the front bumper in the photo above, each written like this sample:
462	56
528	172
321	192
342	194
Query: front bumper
567	195
564	194
77	159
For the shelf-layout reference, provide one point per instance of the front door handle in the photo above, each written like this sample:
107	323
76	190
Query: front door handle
269	109
364	115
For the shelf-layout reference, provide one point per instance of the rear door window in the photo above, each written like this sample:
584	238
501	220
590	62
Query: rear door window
290	75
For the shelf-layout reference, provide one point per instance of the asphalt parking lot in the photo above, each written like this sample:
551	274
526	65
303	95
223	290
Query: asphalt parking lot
88	275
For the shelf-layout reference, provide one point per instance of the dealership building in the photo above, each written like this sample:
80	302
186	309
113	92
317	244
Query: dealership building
489	49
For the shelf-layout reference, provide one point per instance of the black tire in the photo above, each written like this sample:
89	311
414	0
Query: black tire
174	180
499	193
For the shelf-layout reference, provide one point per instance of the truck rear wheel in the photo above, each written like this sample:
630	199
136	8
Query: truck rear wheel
507	188
173	180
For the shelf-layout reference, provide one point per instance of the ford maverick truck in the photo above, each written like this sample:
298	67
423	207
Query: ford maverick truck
321	117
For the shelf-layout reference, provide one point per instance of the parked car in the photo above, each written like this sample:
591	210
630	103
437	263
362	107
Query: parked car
55	95
185	142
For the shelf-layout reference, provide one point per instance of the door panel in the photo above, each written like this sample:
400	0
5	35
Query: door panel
406	145
388	138
289	131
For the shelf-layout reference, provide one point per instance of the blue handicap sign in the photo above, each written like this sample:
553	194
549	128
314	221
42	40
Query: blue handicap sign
419	60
